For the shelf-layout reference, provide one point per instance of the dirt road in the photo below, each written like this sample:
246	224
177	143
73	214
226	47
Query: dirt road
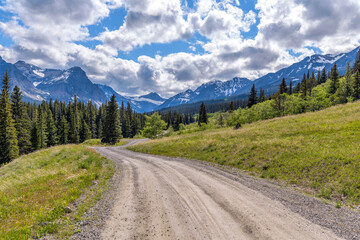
164	198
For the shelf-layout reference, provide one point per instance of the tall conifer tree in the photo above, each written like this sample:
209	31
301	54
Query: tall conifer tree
290	88
34	135
304	87
334	76
348	82
252	100
8	140
22	121
63	131
323	77
52	138
356	66
41	128
85	132
231	106
262	97
112	128
283	87
203	118
356	86
74	122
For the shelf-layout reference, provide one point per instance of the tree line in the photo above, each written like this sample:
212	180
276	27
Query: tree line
345	91
312	93
27	127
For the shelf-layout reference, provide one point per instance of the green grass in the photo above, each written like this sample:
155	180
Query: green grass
318	151
98	143
35	190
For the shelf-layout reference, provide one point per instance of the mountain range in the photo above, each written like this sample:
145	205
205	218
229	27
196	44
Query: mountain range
38	84
270	82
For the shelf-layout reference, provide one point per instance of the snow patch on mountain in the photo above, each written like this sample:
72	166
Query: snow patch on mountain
142	99
40	73
62	77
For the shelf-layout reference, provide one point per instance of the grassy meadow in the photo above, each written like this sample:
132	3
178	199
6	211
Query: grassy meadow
318	151
36	189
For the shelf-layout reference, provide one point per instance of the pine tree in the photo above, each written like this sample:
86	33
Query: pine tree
283	87
8	140
74	122
323	77
34	137
356	66
41	128
303	87
297	88
134	125
92	119
334	76
22	121
125	125
51	130
252	100
347	83
290	88
231	106
63	131
311	83
112	127
192	119
99	122
131	122
126	120
203	118
262	97
356	86
85	132
177	122
16	104
23	133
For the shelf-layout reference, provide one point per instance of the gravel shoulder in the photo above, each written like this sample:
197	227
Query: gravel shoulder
152	197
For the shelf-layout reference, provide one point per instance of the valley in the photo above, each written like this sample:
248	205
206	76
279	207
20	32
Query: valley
154	197
180	119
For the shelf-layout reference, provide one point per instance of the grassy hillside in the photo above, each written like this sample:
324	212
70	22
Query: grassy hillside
36	189
318	151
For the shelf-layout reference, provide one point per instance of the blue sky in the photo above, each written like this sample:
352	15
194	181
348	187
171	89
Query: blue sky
117	18
140	46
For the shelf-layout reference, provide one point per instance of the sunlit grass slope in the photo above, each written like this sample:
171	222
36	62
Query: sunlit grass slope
36	189
318	151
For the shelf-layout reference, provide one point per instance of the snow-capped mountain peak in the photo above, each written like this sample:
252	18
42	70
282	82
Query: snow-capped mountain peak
211	90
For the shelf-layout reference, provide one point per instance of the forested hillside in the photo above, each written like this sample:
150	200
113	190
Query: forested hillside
26	127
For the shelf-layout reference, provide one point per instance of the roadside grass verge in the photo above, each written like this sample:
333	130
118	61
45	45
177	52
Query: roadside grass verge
36	189
98	143
319	151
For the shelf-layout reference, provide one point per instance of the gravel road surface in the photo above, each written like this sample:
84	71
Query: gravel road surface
154	197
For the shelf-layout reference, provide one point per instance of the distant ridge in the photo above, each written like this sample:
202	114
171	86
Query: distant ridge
39	84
